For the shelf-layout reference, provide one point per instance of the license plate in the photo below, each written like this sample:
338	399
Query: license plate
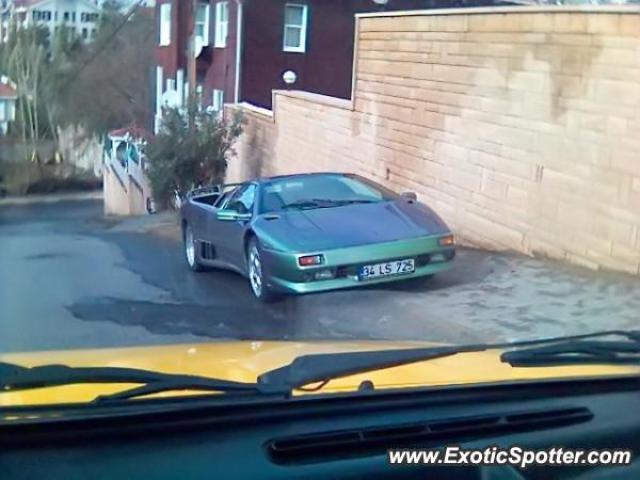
396	267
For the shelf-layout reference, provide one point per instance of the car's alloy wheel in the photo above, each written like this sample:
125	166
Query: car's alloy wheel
256	274
190	249
255	270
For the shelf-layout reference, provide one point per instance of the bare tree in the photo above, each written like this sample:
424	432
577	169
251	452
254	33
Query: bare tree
113	89
25	63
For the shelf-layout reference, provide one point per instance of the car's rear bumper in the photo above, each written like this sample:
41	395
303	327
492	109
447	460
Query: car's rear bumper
285	275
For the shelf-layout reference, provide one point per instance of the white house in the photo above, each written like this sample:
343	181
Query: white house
8	97
127	4
78	17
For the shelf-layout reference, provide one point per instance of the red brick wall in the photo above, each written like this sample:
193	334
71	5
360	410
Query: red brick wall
174	56
222	70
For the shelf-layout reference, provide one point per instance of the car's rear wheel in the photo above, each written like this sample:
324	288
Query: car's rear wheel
190	249
257	278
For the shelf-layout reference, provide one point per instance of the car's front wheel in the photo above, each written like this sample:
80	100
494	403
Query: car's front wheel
190	249
257	277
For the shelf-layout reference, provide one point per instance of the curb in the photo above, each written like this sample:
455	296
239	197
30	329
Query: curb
146	223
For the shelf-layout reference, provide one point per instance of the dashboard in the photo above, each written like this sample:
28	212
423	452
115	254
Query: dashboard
325	437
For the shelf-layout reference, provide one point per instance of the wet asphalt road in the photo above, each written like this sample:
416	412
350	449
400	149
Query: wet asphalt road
69	278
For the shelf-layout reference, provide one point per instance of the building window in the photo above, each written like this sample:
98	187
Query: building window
222	24
218	100
73	16
295	28
66	16
85	33
88	17
202	23
165	24
44	15
93	33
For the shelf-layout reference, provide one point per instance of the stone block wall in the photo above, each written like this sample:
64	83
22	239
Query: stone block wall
521	127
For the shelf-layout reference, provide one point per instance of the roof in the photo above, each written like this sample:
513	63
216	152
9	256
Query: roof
7	91
134	132
31	3
24	3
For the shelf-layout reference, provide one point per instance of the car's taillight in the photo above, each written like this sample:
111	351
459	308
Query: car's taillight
447	241
309	260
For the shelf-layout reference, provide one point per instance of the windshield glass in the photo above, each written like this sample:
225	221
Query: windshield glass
321	190
194	194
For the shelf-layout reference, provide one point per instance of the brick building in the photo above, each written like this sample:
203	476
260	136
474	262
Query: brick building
237	50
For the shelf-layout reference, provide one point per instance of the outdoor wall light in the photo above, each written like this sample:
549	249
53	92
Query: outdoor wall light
289	77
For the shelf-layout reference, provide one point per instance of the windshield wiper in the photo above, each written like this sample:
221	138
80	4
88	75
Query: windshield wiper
354	201
15	377
576	352
310	369
303	204
324	203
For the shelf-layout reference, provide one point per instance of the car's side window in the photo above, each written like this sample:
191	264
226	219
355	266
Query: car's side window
242	199
222	200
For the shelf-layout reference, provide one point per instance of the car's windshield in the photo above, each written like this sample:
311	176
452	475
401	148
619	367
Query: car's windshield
194	194
321	190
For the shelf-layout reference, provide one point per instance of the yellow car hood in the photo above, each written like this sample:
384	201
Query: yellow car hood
244	361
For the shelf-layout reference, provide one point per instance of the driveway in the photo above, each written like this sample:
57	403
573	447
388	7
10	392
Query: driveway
70	278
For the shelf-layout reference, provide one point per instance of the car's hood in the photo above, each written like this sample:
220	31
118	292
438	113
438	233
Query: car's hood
245	361
349	225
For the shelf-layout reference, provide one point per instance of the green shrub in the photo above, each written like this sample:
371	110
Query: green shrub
191	149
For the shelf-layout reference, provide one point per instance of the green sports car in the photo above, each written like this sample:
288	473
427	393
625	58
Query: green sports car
313	232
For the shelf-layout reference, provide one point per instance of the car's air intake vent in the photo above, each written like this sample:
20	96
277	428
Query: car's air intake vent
376	440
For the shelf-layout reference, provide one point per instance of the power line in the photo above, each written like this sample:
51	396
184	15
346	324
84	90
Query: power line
105	43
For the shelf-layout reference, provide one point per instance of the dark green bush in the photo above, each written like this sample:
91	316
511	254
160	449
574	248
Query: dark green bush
191	149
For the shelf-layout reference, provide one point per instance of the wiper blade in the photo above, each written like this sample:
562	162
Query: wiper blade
576	352
15	377
323	203
309	369
302	204
204	385
354	201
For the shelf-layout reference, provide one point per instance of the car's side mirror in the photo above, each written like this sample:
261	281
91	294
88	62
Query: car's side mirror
232	216
410	196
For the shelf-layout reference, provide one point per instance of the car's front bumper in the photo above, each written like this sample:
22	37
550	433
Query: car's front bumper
285	274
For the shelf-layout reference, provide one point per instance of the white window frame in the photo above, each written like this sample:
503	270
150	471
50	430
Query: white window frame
302	48
222	26
165	24
205	27
217	100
